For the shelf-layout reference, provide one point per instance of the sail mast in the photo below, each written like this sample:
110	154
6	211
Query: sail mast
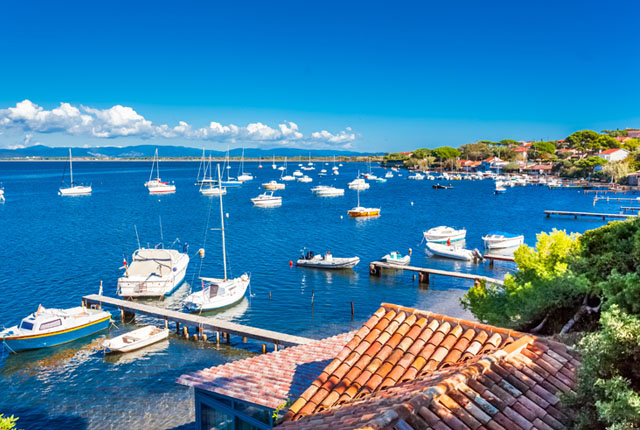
224	250
70	167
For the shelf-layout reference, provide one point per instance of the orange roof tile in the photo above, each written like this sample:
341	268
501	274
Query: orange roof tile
269	379
409	369
612	150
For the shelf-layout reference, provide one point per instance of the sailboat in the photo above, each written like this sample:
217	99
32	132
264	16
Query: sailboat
242	176
209	188
335	168
218	293
1	193
284	176
360	211
273	163
206	171
260	162
155	185
73	189
230	182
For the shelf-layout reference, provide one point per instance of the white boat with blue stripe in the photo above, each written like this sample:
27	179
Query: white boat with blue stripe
51	327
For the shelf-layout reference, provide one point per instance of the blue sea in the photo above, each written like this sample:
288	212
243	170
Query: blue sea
56	249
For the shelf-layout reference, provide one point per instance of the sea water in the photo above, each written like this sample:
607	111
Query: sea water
56	249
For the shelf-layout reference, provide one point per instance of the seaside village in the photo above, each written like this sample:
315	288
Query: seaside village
404	368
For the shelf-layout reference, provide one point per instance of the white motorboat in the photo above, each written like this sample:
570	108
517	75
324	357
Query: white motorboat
267	200
298	173
416	176
500	240
273	185
51	327
381	180
327	261
388	175
327	191
305	179
358	184
395	257
500	189
73	189
156	185
323	172
242	175
456	253
218	293
442	234
153	272
135	339
288	178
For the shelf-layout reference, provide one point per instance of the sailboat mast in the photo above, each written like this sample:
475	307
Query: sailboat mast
224	249
70	167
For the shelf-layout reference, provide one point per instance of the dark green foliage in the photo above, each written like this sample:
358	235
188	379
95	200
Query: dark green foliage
446	152
584	140
616	133
544	147
421	154
475	151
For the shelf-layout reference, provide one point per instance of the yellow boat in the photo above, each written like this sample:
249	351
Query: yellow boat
360	211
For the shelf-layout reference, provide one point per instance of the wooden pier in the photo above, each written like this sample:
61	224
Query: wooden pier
495	257
616	199
612	191
128	309
630	208
575	215
424	273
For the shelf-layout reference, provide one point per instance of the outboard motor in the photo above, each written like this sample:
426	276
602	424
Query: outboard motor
185	248
309	255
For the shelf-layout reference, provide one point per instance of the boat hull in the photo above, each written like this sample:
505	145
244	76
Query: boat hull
75	191
154	189
38	341
195	302
336	264
501	244
118	345
435	237
402	261
163	287
450	252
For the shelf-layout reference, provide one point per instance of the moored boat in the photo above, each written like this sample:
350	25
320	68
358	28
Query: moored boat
156	185
358	184
360	211
73	189
51	327
327	261
153	272
456	253
395	257
135	339
267	200
416	176
442	187
500	239
327	191
444	234
273	185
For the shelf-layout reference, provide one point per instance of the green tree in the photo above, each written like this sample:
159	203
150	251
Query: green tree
617	170
587	165
7	423
508	142
421	154
606	142
539	290
446	152
585	141
632	144
616	133
475	151
511	167
544	147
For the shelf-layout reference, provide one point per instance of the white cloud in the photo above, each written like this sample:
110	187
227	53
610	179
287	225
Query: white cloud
123	121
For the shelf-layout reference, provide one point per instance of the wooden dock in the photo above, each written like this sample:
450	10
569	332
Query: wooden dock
630	208
575	215
612	191
494	257
424	273
128	309
616	199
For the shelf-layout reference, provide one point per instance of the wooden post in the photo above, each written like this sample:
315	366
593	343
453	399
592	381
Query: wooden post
195	336
166	323
204	337
269	295
177	327
351	309
121	314
275	347
264	348
491	262
217	338
312	294
228	339
424	278
185	330
244	339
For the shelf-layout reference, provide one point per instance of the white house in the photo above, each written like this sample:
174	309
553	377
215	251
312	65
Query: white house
614	154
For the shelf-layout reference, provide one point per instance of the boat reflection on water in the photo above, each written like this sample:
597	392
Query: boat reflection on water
59	358
231	313
145	353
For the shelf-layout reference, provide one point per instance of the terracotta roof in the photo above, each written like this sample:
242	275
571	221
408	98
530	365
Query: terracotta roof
540	167
521	149
612	150
411	369
269	379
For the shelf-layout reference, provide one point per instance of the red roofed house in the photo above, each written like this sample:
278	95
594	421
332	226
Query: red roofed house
633	132
403	369
521	153
614	154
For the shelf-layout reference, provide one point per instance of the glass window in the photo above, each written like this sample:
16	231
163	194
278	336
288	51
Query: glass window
26	325
254	411
213	419
50	324
241	425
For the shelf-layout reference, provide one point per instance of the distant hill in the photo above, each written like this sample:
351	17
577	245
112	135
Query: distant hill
145	151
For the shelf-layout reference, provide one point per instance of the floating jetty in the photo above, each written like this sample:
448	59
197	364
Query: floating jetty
575	215
612	191
424	273
630	208
616	199
128	309
495	257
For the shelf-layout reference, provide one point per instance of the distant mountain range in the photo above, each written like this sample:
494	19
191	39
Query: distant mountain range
145	151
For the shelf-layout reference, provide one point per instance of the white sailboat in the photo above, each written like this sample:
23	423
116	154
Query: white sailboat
73	189
1	193
230	182
155	185
273	163
260	162
218	293
210	188
242	175
284	176
206	171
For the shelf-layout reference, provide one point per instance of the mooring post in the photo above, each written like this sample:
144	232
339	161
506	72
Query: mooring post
166	322
228	339
244	339
217	338
424	278
373	270
352	309
275	347
264	348
185	330
177	327
269	295
204	337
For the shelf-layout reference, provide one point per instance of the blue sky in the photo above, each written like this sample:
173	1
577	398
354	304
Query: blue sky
370	76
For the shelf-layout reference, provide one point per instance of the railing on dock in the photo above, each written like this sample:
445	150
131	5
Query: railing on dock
128	309
575	215
424	273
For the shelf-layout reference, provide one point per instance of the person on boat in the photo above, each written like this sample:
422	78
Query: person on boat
448	241
328	256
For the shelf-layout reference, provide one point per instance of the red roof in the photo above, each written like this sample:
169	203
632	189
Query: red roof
521	149
492	159
269	379
611	150
565	150
412	369
540	167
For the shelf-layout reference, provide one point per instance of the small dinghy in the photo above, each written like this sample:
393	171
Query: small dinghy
442	187
442	234
395	257
327	261
135	339
501	240
453	252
